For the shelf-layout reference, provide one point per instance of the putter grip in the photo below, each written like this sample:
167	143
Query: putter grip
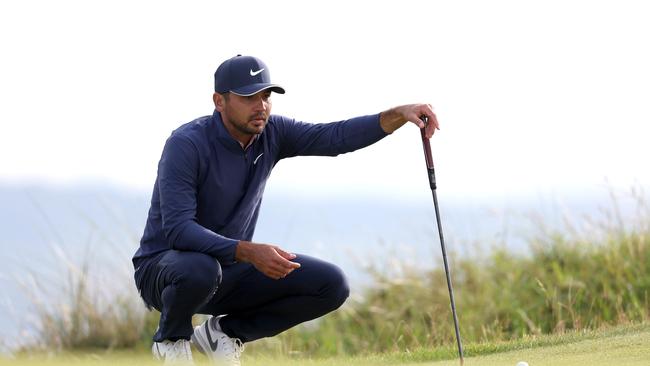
427	154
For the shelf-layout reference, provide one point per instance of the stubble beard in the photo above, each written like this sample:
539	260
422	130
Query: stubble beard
246	127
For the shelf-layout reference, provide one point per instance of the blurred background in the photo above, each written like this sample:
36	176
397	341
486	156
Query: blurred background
543	109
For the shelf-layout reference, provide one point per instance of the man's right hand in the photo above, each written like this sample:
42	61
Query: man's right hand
268	259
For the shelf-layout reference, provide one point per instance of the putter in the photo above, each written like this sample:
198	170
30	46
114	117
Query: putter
432	182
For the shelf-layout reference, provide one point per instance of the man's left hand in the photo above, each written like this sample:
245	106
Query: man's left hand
394	118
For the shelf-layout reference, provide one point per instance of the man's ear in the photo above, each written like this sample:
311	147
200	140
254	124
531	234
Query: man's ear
218	100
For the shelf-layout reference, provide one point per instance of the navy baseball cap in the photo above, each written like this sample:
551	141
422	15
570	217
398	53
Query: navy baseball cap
244	75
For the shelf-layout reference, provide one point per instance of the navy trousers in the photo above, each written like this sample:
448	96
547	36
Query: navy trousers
180	284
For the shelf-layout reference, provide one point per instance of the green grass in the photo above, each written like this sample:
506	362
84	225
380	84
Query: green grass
623	345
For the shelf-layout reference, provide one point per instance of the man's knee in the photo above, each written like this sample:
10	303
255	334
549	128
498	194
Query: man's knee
196	273
204	274
343	289
338	289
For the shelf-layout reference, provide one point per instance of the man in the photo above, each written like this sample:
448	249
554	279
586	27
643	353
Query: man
196	254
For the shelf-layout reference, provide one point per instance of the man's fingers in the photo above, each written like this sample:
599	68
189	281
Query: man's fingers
287	256
277	274
432	121
273	261
415	112
284	268
427	111
415	118
432	126
280	267
275	271
288	265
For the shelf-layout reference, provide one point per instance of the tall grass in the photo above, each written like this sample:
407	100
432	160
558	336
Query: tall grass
85	312
79	302
587	275
590	274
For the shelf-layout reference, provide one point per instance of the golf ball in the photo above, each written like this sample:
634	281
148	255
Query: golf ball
522	363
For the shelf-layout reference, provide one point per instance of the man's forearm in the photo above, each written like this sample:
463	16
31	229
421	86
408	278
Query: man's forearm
193	237
390	120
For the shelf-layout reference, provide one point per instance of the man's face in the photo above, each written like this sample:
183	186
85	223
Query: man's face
245	116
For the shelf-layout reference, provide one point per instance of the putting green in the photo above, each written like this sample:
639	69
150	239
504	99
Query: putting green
621	350
621	347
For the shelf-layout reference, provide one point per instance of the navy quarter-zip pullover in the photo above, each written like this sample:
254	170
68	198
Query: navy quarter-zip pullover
208	191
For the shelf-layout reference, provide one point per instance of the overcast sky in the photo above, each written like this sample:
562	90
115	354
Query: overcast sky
530	95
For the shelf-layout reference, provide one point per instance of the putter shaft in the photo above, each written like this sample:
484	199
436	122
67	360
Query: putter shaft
432	183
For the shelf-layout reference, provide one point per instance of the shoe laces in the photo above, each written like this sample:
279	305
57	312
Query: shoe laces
234	348
179	350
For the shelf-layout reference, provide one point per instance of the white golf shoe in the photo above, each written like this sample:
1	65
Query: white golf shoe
173	353
220	349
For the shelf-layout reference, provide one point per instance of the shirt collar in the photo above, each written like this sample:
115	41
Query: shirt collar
225	137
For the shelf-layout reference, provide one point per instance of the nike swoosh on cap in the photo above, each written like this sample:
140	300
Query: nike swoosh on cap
253	73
